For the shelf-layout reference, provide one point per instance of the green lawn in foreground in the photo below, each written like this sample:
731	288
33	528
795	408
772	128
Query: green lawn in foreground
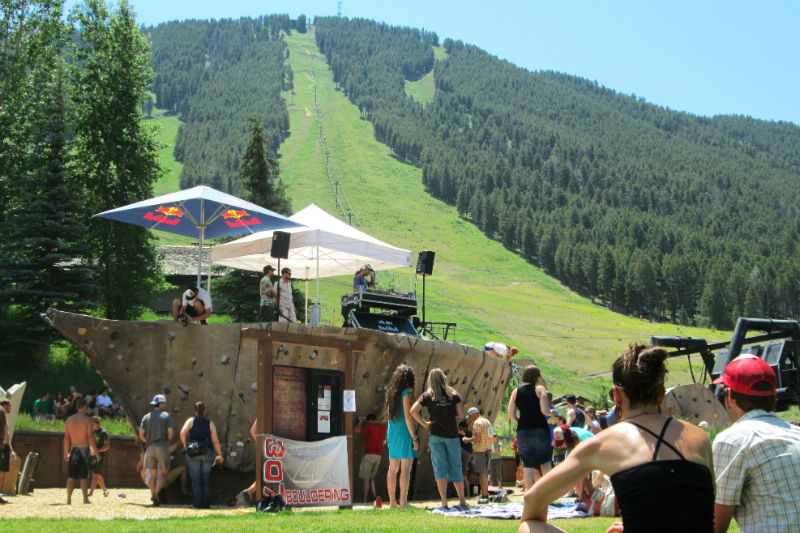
406	521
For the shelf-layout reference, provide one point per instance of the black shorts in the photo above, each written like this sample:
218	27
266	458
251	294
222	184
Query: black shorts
78	464
96	466
192	312
5	457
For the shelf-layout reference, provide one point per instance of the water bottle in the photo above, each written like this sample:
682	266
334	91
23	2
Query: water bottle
378	503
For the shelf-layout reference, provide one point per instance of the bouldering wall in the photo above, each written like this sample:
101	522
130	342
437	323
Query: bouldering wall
696	403
214	364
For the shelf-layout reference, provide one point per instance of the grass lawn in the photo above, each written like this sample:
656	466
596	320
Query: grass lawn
405	520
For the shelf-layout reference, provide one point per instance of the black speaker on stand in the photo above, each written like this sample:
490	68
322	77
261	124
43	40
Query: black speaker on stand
279	250
424	267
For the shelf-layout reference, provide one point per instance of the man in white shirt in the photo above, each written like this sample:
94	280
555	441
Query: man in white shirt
286	309
194	306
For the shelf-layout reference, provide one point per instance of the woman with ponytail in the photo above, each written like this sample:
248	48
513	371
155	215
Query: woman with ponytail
661	468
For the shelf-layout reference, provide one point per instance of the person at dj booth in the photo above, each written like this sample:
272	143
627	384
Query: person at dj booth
360	281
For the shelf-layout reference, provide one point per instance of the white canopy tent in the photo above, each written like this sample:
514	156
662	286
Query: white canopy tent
325	247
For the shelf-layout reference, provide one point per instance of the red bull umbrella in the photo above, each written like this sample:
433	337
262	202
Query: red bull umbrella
200	212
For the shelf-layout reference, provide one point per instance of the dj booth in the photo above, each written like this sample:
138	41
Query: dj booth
380	310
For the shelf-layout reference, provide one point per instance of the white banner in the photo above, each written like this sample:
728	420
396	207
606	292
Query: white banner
306	473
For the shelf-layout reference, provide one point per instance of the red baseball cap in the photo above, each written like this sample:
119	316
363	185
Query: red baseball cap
745	371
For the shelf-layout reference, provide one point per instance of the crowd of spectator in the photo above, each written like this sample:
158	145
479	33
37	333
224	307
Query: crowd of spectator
98	403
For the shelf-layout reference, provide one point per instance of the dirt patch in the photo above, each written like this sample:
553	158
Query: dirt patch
51	503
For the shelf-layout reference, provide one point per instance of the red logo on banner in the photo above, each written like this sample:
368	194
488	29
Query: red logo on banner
167	215
241	222
234	213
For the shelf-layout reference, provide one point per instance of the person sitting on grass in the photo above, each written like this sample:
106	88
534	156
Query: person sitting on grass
43	408
105	405
661	468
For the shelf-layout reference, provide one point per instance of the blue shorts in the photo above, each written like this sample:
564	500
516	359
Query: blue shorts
535	447
446	458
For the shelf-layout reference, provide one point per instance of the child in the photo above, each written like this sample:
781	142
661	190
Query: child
495	462
102	443
375	434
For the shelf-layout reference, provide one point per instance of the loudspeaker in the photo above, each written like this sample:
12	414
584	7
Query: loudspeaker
280	245
425	262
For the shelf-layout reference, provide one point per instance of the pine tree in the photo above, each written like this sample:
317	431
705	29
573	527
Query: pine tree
44	241
116	156
260	174
260	177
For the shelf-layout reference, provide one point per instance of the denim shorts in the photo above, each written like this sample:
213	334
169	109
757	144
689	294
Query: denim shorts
446	458
535	447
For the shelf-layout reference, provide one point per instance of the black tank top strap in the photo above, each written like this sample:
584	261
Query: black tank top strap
660	438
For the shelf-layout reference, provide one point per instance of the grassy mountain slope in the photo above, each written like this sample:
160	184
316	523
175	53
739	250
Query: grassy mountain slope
491	293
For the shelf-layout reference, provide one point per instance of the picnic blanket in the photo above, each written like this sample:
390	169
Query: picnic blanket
512	511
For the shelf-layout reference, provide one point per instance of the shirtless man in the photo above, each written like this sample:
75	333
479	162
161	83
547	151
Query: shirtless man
78	447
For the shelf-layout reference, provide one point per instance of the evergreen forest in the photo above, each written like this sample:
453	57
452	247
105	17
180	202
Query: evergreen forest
652	212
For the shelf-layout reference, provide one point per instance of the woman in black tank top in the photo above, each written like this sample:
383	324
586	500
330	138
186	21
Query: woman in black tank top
533	431
661	468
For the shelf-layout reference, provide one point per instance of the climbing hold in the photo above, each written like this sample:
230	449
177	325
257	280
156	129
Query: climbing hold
226	359
184	389
81	331
241	394
313	355
254	386
176	410
171	336
167	390
114	335
379	388
194	361
200	374
366	375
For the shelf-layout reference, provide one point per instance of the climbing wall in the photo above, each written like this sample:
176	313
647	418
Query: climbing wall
696	403
214	364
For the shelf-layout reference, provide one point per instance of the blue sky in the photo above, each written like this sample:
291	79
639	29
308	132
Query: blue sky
702	56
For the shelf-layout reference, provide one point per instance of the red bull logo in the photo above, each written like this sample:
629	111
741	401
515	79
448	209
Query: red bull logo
165	215
235	218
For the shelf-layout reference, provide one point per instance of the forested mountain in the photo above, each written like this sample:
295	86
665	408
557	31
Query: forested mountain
657	213
216	75
654	212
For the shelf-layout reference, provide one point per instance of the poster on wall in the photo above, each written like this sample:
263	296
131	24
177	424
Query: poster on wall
324	398
323	421
349	401
306	474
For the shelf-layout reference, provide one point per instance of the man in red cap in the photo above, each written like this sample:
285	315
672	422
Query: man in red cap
757	459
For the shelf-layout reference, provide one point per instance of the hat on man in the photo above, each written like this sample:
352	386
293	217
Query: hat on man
367	267
158	398
190	295
744	372
513	350
472	411
268	268
558	435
